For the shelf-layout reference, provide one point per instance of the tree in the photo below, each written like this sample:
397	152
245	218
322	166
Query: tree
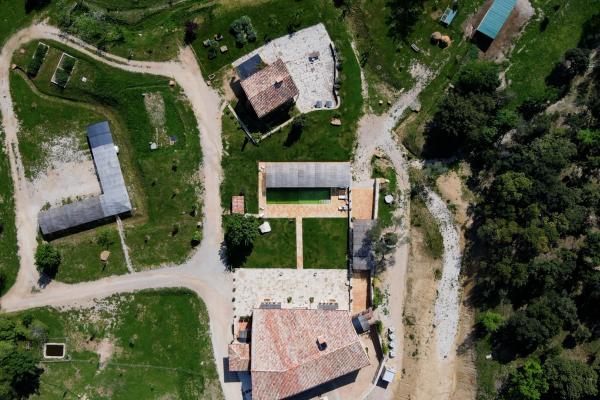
404	14
569	379
478	77
190	32
523	333
18	367
240	231
47	259
527	382
490	321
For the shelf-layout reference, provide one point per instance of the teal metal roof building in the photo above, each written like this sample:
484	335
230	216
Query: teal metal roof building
495	18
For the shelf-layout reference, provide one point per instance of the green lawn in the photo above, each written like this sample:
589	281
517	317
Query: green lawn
319	140
385	212
81	256
9	260
325	242
387	59
276	249
167	360
298	196
150	29
163	185
538	51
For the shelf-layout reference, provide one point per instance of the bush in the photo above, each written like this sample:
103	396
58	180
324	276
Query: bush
47	259
104	239
379	326
196	238
190	32
36	62
243	31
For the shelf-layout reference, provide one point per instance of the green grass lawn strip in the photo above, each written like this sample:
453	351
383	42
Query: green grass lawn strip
325	242
276	249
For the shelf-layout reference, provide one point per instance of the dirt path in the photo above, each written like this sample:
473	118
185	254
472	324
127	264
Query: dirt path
376	133
204	273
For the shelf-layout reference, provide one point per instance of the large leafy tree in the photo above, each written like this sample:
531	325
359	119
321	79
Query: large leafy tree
527	382
569	379
240	231
47	259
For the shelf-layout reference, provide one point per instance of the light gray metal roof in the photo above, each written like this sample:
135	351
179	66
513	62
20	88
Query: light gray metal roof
114	199
362	259
307	174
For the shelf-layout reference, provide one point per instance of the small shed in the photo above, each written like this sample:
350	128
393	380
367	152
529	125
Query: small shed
361	324
496	17
448	16
237	205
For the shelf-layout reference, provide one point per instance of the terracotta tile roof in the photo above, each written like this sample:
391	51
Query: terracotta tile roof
239	357
237	204
270	88
286	359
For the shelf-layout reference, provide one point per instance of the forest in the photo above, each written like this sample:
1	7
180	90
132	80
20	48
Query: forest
534	247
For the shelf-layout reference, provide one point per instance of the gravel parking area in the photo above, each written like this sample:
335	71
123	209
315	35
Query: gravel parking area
314	79
253	285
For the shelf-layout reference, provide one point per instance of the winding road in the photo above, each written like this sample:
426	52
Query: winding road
204	273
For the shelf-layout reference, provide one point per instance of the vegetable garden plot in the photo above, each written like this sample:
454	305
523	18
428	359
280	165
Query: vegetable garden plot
37	59
63	70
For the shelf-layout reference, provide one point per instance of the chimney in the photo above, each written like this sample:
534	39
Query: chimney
321	343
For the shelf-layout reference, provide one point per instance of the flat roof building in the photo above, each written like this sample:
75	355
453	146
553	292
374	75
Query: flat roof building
114	199
294	350
270	88
308	174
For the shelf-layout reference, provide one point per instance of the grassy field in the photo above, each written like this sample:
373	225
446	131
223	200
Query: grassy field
319	140
163	184
538	51
387	58
171	359
9	260
81	256
385	217
149	29
421	218
276	249
325	242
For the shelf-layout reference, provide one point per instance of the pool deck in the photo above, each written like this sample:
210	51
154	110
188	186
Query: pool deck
326	210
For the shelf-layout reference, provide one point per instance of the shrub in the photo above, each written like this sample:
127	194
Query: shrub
104	239
196	238
243	31
379	326
47	259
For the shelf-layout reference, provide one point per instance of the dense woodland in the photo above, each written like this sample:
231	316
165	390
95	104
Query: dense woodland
535	241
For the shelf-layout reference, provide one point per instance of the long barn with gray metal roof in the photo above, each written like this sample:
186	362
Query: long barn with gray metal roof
308	174
114	199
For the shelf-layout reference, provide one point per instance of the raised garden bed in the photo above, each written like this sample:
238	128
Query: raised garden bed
63	71
37	59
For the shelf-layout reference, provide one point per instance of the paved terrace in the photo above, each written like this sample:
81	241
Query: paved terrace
252	286
313	79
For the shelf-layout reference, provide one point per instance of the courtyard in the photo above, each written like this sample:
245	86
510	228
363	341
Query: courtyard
309	55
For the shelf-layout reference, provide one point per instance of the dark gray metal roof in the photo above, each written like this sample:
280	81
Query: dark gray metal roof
114	199
362	259
308	174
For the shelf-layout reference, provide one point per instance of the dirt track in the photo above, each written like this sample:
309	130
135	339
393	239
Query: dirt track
204	273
